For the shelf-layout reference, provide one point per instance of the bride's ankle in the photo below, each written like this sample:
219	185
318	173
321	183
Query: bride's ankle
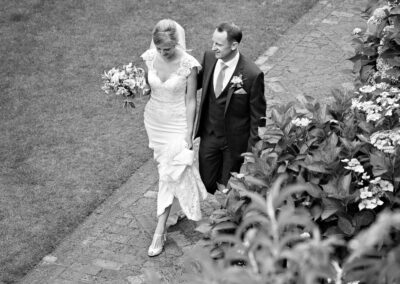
159	231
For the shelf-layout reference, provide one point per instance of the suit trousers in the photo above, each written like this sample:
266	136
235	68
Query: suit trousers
216	161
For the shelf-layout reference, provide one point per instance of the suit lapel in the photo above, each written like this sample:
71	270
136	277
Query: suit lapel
237	72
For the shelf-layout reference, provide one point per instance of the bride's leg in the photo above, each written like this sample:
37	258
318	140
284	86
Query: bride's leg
175	214
159	238
162	221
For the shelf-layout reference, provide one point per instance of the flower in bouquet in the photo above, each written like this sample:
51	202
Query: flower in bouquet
128	82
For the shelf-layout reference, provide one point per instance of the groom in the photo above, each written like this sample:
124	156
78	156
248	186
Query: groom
232	103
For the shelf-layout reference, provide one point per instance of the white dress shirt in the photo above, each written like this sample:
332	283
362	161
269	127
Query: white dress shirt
228	72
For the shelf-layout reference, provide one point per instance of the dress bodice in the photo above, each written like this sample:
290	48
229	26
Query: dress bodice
173	89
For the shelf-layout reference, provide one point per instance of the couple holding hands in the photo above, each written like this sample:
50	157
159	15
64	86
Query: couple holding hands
231	106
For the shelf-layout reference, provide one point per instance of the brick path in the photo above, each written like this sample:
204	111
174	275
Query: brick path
111	245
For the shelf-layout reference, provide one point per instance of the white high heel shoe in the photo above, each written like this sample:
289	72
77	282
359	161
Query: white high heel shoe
157	245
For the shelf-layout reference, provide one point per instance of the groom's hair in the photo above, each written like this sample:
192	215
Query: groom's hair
233	31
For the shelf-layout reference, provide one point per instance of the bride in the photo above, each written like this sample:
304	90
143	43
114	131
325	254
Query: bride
169	121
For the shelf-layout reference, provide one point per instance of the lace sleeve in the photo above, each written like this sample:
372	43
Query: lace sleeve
148	57
187	63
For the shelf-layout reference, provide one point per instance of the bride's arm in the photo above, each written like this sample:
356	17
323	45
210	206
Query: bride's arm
146	91
191	104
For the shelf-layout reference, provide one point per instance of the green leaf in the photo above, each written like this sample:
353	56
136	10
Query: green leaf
219	213
316	211
222	219
235	207
294	221
314	190
366	72
233	253
330	207
270	134
364	218
369	51
344	183
331	187
295	167
318	167
237	185
333	231
357	44
346	226
362	138
256	200
395	11
230	239
283	195
323	115
290	113
277	117
316	132
333	140
224	226
255	181
306	146
204	228
217	253
366	127
380	163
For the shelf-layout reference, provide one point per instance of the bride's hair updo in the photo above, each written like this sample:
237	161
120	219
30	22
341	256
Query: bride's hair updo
164	32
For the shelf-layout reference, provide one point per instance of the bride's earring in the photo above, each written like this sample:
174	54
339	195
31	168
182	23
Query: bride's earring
157	245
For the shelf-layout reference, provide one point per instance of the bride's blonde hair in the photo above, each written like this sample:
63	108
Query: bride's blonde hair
164	32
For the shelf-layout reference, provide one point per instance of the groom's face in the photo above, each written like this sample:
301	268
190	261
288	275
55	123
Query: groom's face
222	48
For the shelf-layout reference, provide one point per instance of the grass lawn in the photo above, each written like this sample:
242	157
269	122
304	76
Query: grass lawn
65	147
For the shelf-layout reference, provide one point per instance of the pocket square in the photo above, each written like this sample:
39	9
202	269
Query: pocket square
240	91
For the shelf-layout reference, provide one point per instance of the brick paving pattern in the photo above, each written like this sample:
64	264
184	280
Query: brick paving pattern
111	245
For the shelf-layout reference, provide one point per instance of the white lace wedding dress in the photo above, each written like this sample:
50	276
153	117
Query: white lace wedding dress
166	126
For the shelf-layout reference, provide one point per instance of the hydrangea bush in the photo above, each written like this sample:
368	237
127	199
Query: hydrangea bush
377	57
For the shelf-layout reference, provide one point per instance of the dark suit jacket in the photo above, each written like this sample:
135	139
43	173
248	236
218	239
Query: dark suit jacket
242	111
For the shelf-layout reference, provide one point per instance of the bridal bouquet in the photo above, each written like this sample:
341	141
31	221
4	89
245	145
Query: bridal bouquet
128	82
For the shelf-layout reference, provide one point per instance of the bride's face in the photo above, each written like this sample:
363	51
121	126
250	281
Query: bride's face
166	50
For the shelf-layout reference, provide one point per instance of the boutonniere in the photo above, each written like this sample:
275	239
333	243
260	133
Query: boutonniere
237	84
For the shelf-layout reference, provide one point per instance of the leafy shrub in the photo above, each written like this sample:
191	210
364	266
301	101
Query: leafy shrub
276	242
377	49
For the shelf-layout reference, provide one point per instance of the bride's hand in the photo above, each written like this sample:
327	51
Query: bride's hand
189	142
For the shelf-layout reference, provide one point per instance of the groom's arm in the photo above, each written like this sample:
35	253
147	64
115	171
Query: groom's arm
200	73
258	108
